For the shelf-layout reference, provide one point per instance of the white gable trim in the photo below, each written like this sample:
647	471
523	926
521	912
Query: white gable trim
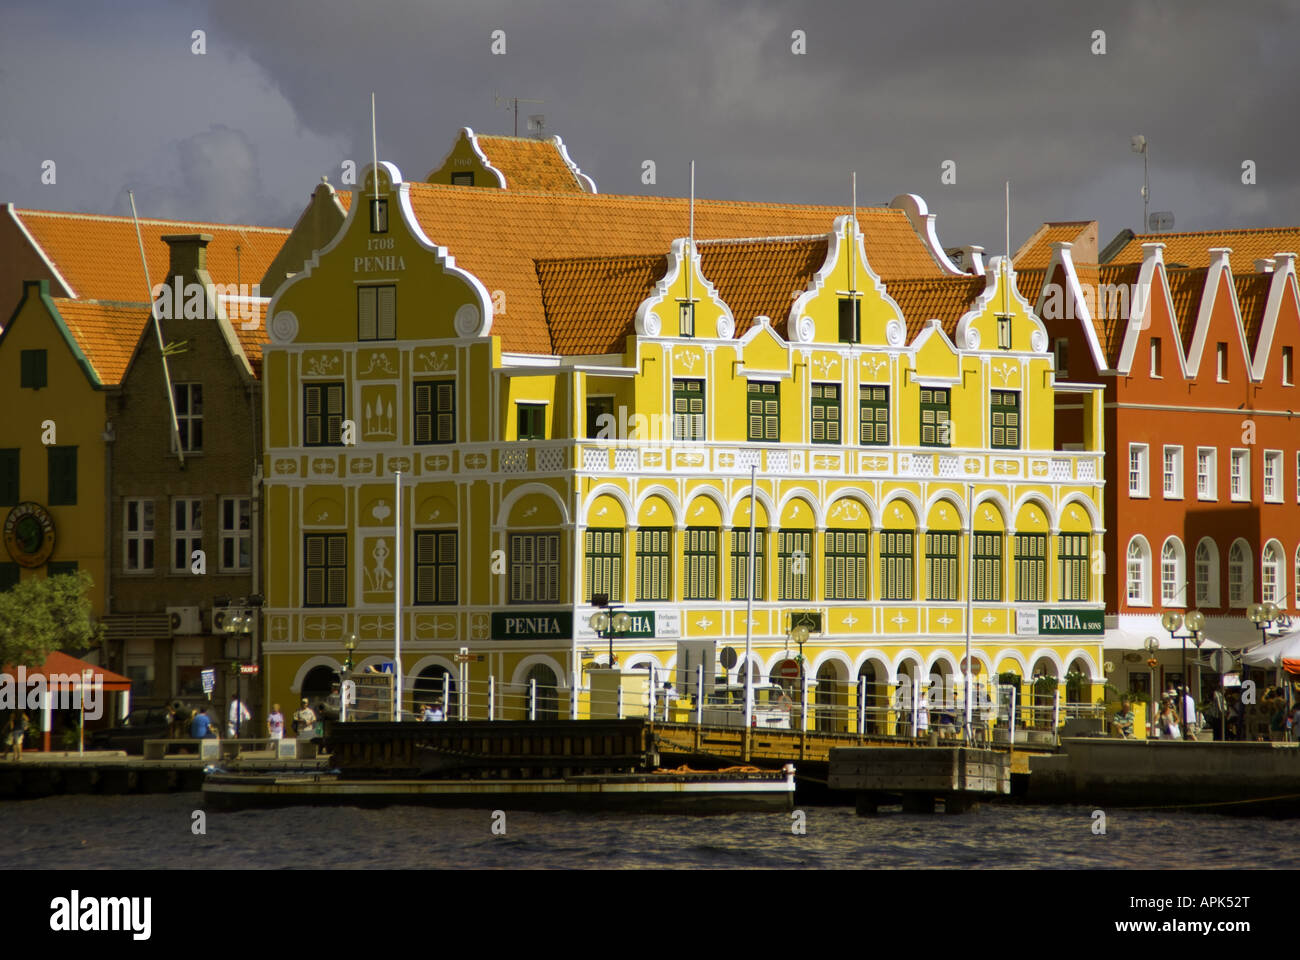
648	321
583	179
795	321
59	278
1062	254
1283	277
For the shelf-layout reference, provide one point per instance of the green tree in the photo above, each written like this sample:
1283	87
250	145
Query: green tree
42	614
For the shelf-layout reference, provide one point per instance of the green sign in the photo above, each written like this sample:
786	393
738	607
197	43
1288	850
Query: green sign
1057	623
533	625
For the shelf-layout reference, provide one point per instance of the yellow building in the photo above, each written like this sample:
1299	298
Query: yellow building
575	395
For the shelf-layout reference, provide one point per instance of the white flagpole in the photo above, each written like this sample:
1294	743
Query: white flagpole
970	583
397	600
749	601
374	145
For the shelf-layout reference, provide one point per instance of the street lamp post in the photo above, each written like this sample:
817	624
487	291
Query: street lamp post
1263	616
799	636
1152	647
238	626
350	647
608	625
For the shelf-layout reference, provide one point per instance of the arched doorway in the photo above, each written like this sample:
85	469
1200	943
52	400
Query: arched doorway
830	699
876	696
319	684
434	684
548	693
1078	688
1044	685
905	692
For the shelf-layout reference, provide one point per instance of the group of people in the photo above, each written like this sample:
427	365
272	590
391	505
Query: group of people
1224	712
14	732
306	722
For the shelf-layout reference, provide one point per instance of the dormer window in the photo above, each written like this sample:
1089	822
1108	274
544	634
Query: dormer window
378	216
850	320
686	319
1004	333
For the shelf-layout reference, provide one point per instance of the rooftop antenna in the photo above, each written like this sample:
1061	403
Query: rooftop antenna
157	329
1138	144
513	104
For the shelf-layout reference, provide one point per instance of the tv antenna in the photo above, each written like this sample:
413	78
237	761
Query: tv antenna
1138	144
512	104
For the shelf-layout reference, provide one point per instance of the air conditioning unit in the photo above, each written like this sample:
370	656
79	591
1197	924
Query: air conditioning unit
185	620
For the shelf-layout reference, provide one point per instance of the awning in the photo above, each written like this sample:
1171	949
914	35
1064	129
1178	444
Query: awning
1275	652
1130	632
69	672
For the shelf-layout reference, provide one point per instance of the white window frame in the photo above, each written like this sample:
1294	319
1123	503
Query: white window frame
1137	572
140	536
1240	587
235	534
1276	591
1207	476
189	532
189	418
1288	374
1239	480
1207	588
1139	472
1274	486
1157	356
1221	362
1173	574
1171	481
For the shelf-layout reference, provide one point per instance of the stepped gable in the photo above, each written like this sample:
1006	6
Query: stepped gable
1186	289
1252	299
1111	325
762	277
99	256
591	302
106	333
1193	249
944	299
499	235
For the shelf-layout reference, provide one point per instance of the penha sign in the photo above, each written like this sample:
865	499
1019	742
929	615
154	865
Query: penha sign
1058	623
533	625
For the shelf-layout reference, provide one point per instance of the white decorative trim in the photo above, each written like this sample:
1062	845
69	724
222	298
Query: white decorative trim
834	246
726	326
283	328
1284	275
992	278
648	321
805	330
472	137
585	180
468	321
922	220
58	277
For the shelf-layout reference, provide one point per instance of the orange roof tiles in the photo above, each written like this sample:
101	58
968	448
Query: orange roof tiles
762	277
1037	250
1252	298
529	164
1111	324
99	256
498	234
106	333
944	299
591	302
1030	283
1186	288
1193	249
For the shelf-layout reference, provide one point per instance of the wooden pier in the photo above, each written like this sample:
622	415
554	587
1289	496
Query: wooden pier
113	772
920	777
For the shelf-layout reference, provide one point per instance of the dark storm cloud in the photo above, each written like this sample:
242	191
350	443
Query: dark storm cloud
1004	90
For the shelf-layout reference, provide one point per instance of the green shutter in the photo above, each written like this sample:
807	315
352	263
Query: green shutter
62	464
825	413
936	417
873	415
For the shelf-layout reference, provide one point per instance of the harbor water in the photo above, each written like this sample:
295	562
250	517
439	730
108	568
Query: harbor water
153	831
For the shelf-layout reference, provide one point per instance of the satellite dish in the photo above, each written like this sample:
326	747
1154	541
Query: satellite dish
1161	221
1138	143
537	123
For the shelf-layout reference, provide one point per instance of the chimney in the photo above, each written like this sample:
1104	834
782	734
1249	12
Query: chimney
189	255
1263	265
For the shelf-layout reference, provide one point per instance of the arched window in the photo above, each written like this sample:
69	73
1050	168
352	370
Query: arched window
1273	579
1173	578
1207	573
1239	585
1139	572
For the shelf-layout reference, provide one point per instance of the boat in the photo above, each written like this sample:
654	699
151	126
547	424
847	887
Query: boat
682	790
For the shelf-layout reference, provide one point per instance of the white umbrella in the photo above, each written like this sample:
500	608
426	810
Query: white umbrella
1271	654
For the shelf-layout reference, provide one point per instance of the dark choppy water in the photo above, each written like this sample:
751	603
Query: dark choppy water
88	832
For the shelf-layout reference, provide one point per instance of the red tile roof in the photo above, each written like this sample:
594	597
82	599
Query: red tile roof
1029	281
99	256
1036	252
529	164
1186	289
499	234
591	302
1110	325
944	299
106	333
762	277
1252	298
1193	249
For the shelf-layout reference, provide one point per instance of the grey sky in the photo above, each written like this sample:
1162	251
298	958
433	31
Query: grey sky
113	95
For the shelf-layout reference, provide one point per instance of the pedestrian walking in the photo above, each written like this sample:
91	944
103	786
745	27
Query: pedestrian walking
15	732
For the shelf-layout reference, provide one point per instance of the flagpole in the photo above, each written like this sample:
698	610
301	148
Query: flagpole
970	583
749	607
397	601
